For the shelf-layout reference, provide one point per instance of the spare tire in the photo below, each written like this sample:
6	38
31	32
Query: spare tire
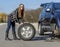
26	31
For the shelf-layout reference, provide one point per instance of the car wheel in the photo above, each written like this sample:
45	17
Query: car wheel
26	31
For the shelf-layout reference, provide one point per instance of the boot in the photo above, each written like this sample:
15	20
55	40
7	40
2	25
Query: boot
14	36
6	36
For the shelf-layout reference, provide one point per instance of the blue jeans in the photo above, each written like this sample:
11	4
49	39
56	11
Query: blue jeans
9	25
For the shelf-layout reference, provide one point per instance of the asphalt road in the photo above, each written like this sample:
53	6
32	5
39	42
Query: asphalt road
38	41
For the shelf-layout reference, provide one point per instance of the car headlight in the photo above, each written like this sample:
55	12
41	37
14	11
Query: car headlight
48	10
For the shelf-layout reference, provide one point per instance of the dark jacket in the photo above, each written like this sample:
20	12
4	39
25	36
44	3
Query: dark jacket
13	16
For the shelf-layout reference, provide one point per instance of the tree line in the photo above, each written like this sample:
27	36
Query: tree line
30	15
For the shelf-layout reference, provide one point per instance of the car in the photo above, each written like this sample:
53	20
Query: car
49	16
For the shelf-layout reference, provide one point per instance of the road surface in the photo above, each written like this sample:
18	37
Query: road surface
36	42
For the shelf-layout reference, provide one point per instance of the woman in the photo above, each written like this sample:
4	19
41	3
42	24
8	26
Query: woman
16	15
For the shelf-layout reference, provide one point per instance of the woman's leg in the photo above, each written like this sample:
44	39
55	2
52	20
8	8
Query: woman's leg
14	32
7	30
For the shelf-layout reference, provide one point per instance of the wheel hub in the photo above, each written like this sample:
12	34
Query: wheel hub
26	31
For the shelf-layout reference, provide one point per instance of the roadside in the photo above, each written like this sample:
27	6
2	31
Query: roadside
2	23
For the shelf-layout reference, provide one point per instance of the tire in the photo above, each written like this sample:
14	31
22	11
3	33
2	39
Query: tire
23	31
41	32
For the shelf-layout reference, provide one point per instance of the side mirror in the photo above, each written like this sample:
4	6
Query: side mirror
43	5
